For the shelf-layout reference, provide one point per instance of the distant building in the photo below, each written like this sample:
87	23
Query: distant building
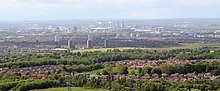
69	30
57	29
57	40
117	25
131	35
137	35
89	44
120	24
75	28
90	37
106	43
90	41
61	50
71	44
57	34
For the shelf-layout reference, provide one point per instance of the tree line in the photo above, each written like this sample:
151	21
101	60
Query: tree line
87	58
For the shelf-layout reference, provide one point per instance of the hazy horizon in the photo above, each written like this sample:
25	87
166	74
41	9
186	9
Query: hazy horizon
25	10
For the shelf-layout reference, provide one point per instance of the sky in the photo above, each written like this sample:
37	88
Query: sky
107	9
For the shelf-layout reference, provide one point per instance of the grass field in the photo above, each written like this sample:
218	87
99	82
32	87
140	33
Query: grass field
101	49
188	46
180	46
95	71
2	41
72	88
130	70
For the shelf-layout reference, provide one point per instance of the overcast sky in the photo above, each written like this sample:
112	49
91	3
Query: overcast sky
107	9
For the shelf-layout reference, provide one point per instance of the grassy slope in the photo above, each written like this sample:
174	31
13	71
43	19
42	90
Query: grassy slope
1	40
101	49
73	89
130	70
95	71
180	46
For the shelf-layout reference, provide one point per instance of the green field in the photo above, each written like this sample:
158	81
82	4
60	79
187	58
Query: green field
101	49
2	40
72	88
180	46
95	71
188	46
130	70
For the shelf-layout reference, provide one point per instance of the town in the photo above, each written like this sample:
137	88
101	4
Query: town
26	38
110	52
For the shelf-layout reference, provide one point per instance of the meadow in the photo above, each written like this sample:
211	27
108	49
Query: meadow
179	46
